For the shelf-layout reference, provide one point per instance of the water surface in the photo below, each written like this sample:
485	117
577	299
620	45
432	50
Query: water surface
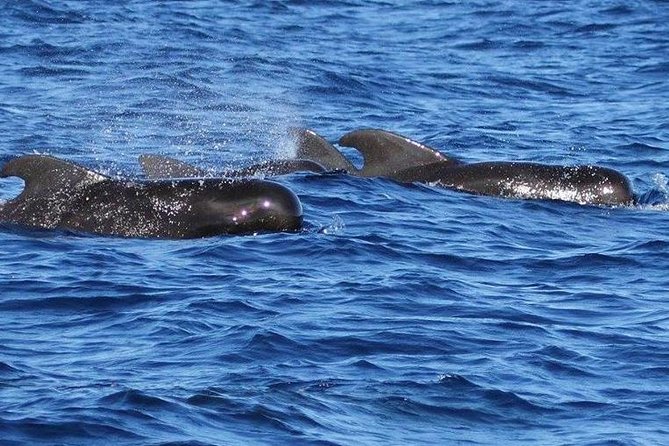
402	314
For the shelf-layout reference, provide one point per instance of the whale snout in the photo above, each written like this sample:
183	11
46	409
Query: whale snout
243	207
269	207
280	210
609	187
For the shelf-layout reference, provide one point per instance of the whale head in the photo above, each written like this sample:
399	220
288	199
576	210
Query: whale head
249	206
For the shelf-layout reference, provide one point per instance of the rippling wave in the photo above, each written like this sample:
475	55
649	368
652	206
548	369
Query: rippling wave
401	314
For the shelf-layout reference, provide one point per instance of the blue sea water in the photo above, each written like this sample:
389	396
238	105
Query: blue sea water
401	314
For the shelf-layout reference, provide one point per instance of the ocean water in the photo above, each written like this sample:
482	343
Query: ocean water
401	314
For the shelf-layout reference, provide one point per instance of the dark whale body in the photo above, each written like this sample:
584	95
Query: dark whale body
62	195
399	158
579	184
314	154
159	166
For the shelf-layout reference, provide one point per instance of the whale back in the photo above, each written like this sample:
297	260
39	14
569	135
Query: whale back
583	184
277	167
312	154
163	167
159	166
385	153
50	186
311	146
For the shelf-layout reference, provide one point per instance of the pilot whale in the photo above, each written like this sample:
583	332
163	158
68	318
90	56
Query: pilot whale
402	159
58	194
310	147
159	166
393	156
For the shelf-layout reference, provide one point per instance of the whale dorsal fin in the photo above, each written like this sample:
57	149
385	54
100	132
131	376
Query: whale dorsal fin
385	152
43	174
159	166
313	147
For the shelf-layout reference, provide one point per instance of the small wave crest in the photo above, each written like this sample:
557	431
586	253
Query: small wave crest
657	197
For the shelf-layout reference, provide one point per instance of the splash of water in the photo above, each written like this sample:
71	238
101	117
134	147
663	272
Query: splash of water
336	226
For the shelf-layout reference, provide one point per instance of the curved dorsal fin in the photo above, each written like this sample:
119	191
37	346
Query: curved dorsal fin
159	166
385	152
313	147
43	174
